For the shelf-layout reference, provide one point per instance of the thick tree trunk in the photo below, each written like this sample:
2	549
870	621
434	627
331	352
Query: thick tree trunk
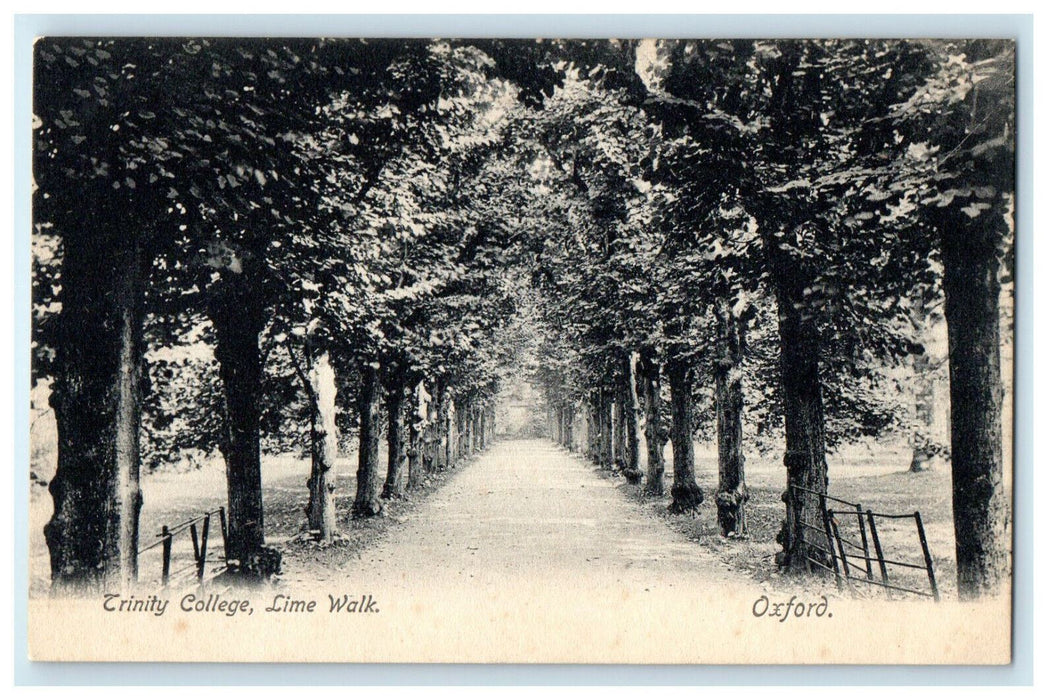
94	532
632	472
367	503
732	494
685	492
654	433
239	319
322	484
807	469
970	253
396	403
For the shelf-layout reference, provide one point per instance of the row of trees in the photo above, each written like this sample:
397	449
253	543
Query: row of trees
799	213
323	210
339	220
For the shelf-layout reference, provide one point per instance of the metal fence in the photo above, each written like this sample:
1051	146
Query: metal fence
175	565
851	533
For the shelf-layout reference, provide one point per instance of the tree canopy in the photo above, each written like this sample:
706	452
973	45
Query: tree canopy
777	224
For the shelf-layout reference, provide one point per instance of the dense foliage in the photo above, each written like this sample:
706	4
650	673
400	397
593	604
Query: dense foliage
768	221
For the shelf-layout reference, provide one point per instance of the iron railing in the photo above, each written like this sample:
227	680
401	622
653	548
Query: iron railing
199	542
850	555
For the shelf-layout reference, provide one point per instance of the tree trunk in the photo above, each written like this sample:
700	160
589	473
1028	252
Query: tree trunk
474	428
419	422
732	494
922	443
467	430
569	426
599	451
367	503
474	422
93	535
619	426
322	484
591	430
807	470
573	416
477	428
437	439
605	413
632	472
459	431
463	431
654	437
239	319
397	446
446	423
970	253
451	428
685	492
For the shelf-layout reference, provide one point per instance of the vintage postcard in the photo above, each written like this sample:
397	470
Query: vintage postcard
627	351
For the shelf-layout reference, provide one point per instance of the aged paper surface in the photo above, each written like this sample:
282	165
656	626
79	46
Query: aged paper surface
382	237
534	624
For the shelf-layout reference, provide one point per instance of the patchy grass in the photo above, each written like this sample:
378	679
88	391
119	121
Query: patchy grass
895	492
171	498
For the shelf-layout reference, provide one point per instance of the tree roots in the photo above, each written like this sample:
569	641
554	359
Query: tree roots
686	498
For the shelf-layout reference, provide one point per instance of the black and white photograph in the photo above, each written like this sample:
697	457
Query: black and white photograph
485	350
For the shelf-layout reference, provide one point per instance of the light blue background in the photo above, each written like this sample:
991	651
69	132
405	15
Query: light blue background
1019	27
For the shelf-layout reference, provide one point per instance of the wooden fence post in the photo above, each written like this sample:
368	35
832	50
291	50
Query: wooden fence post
166	555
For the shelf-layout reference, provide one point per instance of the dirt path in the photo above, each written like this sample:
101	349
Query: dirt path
528	510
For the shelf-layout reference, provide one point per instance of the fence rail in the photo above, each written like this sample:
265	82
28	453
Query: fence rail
198	527
861	543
